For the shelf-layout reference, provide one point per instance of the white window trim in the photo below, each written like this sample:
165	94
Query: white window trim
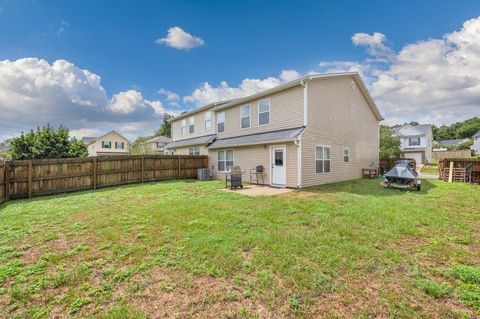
191	122
225	160
419	141
195	148
249	117
217	122
183	125
343	155
205	121
324	146
269	113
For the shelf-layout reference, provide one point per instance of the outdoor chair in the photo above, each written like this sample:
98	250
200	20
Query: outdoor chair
257	174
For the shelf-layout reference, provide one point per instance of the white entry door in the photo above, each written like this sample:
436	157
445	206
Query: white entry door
279	170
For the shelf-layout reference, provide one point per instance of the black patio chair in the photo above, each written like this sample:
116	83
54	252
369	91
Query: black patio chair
257	172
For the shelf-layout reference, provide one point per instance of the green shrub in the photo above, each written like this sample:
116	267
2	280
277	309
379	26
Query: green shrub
434	289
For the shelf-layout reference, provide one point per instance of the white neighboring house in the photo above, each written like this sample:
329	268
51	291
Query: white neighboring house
156	145
415	141
476	142
110	143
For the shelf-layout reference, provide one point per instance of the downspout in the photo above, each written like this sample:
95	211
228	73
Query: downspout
298	142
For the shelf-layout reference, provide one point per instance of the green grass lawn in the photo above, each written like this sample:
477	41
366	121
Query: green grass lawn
431	168
185	249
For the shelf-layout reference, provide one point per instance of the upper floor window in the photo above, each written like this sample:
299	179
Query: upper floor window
160	144
414	141
183	125
191	124
208	120
119	145
220	122
106	144
346	155
322	159
245	111
264	112
194	150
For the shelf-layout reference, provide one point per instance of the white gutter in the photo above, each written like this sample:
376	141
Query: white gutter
298	142
291	139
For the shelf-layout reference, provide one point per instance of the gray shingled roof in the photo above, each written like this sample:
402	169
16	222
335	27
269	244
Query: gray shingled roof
423	128
201	140
282	135
87	139
476	134
453	142
161	139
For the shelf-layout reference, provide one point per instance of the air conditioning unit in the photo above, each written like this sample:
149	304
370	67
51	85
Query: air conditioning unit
203	174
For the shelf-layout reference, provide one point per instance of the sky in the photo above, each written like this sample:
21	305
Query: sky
94	66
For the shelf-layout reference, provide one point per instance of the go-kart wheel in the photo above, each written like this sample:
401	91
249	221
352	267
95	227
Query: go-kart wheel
419	187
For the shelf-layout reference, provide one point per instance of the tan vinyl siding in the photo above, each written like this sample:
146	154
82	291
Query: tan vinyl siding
338	117
96	147
185	150
248	157
199	127
286	111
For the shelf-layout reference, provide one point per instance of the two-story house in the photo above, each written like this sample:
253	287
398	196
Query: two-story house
314	130
476	143
110	143
156	145
415	141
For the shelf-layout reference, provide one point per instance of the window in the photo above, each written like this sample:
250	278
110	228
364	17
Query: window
346	155
194	150
119	145
221	122
191	125
245	116
160	144
208	120
106	144
183	127
414	141
225	160
264	112
278	157
322	159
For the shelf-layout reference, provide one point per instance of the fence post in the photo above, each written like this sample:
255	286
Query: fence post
94	172
7	181
30	173
450	172
142	166
179	171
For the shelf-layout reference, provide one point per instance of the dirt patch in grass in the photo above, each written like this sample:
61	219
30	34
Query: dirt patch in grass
175	294
31	255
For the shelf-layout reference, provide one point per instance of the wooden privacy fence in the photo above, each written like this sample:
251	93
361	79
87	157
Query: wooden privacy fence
440	155
464	169
29	178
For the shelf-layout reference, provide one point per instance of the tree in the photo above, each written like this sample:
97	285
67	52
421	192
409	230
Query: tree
389	145
166	128
139	147
46	143
465	129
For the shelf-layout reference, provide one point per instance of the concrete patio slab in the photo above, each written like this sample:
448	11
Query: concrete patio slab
258	190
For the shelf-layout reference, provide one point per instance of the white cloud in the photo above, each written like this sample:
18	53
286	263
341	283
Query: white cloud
34	92
179	39
82	132
171	97
207	93
289	75
375	43
63	26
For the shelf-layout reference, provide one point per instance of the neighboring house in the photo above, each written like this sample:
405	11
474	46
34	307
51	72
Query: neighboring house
415	142
156	145
450	143
314	130
476	143
111	143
